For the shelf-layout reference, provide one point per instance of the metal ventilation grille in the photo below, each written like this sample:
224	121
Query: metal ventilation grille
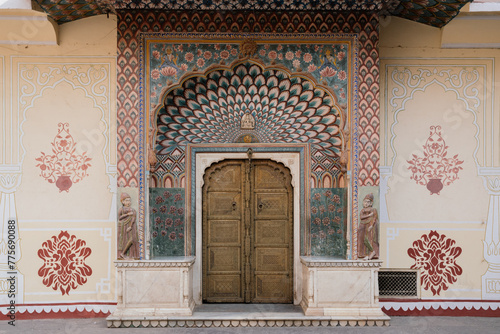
398	283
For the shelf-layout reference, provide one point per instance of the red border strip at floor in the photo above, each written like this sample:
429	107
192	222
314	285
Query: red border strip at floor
441	307
392	307
60	311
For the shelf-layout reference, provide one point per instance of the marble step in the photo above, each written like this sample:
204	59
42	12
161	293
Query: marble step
243	315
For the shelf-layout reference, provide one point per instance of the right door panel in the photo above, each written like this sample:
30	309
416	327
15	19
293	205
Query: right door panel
272	233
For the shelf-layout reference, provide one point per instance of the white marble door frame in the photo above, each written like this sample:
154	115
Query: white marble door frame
290	160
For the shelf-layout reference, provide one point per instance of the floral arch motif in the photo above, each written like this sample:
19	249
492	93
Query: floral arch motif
208	107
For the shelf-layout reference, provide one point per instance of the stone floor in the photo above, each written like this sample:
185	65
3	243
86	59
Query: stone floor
417	325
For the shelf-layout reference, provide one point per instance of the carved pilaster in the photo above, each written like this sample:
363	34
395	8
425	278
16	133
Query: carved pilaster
490	287
385	174
10	179
349	216
112	173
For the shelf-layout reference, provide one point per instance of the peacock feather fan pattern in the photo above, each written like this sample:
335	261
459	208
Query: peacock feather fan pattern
287	108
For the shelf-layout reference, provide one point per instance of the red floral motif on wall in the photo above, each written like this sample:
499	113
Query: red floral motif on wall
64	265
435	170
436	256
64	167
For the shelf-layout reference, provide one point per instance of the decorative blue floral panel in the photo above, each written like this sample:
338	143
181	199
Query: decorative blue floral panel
167	221
328	222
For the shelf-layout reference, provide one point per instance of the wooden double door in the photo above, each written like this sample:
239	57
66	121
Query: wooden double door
247	233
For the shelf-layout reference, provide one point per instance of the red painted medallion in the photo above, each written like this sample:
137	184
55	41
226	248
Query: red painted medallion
64	266
436	256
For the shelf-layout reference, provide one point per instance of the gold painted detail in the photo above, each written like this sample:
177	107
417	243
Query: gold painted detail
248	48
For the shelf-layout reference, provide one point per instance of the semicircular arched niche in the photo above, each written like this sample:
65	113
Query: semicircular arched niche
248	102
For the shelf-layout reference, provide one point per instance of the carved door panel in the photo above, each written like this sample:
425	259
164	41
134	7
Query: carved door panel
272	259
247	233
223	234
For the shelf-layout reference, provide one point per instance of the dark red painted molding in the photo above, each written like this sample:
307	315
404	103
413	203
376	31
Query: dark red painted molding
453	310
26	315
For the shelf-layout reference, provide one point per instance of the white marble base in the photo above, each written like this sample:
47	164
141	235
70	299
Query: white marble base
154	289
247	315
341	288
334	293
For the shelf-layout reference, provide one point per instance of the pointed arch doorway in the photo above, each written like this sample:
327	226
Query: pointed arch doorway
247	232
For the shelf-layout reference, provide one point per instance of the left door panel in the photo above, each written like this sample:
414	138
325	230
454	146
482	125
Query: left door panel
223	254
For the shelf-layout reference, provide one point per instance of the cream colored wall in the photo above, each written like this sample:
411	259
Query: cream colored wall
63	75
69	75
446	77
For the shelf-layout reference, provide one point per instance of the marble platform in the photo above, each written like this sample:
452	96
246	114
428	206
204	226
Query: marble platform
245	315
334	292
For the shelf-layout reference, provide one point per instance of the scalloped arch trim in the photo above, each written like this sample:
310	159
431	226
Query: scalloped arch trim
208	107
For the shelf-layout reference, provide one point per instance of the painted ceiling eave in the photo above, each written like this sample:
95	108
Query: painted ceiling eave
430	12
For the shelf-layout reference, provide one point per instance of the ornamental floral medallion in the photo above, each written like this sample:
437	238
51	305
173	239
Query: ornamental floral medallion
435	255
64	265
64	167
435	170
